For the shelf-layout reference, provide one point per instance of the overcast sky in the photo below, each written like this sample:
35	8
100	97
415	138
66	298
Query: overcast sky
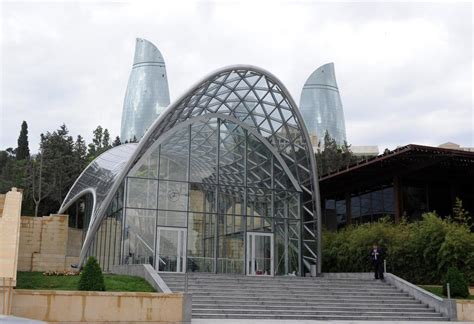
404	70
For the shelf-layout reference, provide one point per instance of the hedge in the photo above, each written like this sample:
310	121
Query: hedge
420	252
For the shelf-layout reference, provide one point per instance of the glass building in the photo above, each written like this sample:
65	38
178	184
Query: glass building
222	182
321	106
147	91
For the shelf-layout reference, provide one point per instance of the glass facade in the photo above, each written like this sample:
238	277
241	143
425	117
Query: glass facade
147	92
321	106
222	183
360	207
203	185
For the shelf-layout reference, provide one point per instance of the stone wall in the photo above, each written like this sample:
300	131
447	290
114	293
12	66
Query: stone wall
10	211
465	310
48	244
100	307
9	233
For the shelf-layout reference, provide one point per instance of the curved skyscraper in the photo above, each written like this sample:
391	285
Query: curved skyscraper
147	91
321	106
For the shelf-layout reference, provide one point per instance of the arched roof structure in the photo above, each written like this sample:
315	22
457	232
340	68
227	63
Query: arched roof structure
245	95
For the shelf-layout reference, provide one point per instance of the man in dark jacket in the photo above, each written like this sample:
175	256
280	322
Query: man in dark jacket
377	255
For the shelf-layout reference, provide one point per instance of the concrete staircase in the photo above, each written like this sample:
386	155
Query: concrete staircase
240	297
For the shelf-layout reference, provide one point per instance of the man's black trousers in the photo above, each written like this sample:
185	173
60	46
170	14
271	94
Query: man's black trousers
378	270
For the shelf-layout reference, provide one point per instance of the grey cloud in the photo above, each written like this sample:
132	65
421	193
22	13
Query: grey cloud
66	62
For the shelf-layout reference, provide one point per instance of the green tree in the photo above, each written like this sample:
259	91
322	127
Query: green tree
457	283
91	278
53	171
460	215
100	143
106	140
116	142
80	154
23	151
331	157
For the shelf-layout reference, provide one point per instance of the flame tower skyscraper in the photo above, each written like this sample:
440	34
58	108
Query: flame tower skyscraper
147	91
321	106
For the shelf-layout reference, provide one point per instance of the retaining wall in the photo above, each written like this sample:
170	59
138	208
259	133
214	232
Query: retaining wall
100	307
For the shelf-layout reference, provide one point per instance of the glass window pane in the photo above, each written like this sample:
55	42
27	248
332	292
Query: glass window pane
141	193
173	195
259	163
231	154
231	200
172	218
202	198
204	151
259	202
174	156
201	238
139	240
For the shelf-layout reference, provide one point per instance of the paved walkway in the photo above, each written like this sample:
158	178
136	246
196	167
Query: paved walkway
243	321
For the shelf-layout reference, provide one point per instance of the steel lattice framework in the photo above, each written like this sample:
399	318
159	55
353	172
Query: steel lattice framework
244	95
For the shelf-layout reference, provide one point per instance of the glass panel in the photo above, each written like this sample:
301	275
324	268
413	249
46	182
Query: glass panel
388	201
201	238
174	156
259	163
141	193
168	253
231	154
204	151
355	208
230	247
139	236
172	218
231	200
377	202
259	202
263	258
173	195
259	224
147	167
281	247
294	246
202	198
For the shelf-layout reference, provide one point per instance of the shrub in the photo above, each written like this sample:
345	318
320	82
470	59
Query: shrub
457	284
91	277
420	252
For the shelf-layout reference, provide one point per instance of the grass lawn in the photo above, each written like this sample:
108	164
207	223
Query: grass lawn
438	291
36	280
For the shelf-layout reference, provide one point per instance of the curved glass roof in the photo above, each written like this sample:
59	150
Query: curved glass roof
98	179
244	95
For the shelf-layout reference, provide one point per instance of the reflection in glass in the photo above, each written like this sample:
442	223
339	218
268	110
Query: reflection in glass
201	240
139	236
141	193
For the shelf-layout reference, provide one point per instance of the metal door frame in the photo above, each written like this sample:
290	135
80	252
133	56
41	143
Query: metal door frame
181	248
250	255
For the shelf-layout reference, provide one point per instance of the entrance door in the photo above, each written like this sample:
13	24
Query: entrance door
170	249
259	254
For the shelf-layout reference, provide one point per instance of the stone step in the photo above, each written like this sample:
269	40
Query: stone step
323	302
351	308
217	277
320	317
262	297
295	293
193	287
264	311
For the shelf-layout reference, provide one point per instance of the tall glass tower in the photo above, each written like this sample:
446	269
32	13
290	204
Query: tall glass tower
147	91
321	106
